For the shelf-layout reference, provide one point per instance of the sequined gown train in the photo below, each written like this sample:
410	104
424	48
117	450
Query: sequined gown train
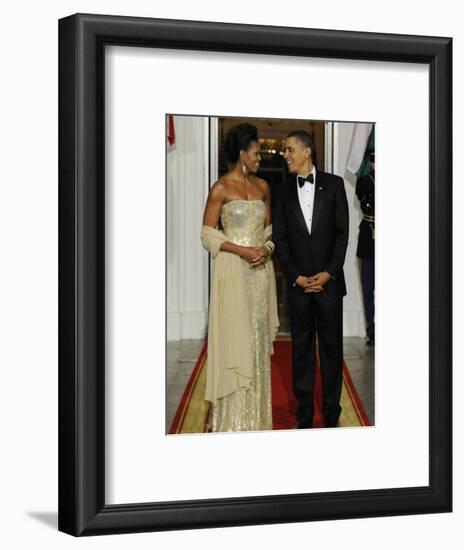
250	409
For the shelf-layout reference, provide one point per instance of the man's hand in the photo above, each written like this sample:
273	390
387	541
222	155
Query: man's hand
302	281
317	282
305	283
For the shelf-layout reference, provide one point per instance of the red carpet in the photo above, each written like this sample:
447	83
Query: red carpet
284	404
191	415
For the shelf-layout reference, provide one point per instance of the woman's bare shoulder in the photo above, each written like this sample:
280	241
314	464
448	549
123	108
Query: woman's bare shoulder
263	184
219	188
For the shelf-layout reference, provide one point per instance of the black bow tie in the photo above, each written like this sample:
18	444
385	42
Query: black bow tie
302	180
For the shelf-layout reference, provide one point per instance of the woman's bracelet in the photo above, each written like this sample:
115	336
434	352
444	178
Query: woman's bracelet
270	246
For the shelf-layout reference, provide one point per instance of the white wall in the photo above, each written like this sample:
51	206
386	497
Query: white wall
28	278
187	263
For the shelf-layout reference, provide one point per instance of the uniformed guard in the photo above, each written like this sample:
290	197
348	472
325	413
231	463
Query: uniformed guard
365	191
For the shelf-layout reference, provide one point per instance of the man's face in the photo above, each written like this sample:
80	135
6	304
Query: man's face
296	155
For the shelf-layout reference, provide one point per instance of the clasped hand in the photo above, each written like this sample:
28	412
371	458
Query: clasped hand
315	283
256	256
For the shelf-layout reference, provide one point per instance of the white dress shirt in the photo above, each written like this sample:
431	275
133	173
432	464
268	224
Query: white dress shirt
306	198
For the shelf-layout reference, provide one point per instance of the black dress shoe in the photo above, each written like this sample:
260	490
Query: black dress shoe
300	425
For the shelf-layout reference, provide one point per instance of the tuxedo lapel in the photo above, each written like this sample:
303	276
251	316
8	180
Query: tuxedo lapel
318	199
295	205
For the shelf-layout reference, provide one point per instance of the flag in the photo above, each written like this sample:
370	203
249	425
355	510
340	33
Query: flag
171	132
365	167
363	135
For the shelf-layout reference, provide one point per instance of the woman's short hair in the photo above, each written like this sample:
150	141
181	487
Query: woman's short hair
307	140
239	139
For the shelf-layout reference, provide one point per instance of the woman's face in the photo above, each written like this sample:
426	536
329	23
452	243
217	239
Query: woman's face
251	158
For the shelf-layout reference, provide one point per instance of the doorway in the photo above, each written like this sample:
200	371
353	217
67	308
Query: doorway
272	133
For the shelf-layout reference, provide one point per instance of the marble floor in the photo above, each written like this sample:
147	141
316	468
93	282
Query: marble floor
182	356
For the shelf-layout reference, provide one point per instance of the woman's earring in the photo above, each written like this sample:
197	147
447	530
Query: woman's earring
244	169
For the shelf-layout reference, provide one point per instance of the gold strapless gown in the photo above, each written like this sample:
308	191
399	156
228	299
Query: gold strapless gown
250	409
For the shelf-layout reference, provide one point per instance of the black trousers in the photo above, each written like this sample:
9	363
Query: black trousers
368	288
312	314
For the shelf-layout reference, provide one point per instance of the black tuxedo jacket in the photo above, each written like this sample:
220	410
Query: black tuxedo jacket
301	253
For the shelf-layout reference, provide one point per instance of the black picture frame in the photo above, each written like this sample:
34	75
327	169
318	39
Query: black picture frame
82	508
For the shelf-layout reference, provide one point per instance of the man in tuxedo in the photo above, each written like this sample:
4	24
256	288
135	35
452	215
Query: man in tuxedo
310	230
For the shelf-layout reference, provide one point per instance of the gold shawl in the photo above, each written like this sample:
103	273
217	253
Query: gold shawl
230	363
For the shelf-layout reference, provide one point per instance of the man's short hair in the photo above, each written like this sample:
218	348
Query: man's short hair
307	140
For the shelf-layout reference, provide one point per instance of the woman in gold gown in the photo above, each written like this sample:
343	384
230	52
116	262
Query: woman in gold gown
243	318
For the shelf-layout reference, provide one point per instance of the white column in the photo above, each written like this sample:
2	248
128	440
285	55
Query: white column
187	262
353	309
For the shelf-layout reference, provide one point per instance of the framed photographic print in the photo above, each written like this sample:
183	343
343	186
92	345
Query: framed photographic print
228	195
190	377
